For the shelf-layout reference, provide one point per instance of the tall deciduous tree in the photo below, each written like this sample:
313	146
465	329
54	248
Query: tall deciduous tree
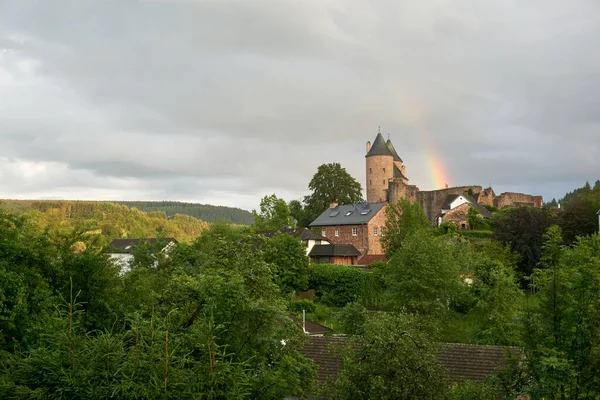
523	228
403	219
274	214
331	184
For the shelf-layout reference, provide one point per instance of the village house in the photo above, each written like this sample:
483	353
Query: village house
120	251
456	210
354	231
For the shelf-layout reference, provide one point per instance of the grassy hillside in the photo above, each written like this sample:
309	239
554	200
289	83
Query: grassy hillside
86	209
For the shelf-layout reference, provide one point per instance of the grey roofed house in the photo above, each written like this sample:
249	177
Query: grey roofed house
126	245
379	148
334	250
485	213
348	214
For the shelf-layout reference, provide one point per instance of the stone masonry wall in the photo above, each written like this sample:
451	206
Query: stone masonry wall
459	216
374	242
400	190
360	241
510	199
486	197
432	201
377	178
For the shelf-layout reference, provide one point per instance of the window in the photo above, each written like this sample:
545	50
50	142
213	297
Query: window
337	232
384	170
370	182
348	213
323	233
370	171
375	232
354	231
384	181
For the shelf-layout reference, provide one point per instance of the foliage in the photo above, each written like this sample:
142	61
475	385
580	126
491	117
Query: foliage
109	220
424	274
330	184
390	360
291	265
561	330
472	390
353	318
579	217
523	229
498	298
403	219
338	285
274	214
208	323
448	228
476	221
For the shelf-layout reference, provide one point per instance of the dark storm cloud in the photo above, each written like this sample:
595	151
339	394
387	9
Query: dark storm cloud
229	100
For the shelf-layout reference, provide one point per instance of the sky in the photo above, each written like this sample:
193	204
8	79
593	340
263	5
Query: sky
226	101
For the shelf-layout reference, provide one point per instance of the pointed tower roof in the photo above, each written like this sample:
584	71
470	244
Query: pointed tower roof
379	148
393	150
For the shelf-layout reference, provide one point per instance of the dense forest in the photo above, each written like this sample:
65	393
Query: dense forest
86	209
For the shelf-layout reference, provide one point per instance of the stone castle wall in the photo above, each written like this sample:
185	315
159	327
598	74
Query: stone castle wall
510	199
432	201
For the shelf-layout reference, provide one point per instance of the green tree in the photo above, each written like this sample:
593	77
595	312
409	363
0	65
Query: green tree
561	329
424	274
274	214
291	265
403	219
579	217
391	359
330	184
523	229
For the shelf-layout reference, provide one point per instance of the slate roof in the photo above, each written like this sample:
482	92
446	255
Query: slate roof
379	147
311	327
348	214
476	362
126	245
462	361
393	150
398	173
321	349
334	250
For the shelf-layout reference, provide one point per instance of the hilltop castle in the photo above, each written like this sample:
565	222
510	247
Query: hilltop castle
387	182
354	231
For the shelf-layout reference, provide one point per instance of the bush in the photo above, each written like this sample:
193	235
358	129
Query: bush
338	285
305	304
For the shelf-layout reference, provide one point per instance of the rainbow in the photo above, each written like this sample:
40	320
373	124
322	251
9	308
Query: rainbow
435	165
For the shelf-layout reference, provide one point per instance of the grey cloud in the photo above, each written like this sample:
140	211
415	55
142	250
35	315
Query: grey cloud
249	97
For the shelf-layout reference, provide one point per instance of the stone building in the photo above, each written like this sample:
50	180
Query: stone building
386	181
359	225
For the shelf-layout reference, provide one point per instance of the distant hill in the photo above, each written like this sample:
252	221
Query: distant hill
204	212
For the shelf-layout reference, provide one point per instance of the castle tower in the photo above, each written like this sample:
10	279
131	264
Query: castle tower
380	169
399	167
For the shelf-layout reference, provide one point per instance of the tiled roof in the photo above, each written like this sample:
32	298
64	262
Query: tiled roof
371	258
125	245
393	150
348	214
333	250
477	362
321	349
462	361
311	327
379	148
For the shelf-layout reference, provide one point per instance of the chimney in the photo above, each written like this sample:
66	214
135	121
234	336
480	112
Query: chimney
333	205
368	146
304	321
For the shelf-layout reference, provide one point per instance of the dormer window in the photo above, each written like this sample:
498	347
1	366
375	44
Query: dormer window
348	213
